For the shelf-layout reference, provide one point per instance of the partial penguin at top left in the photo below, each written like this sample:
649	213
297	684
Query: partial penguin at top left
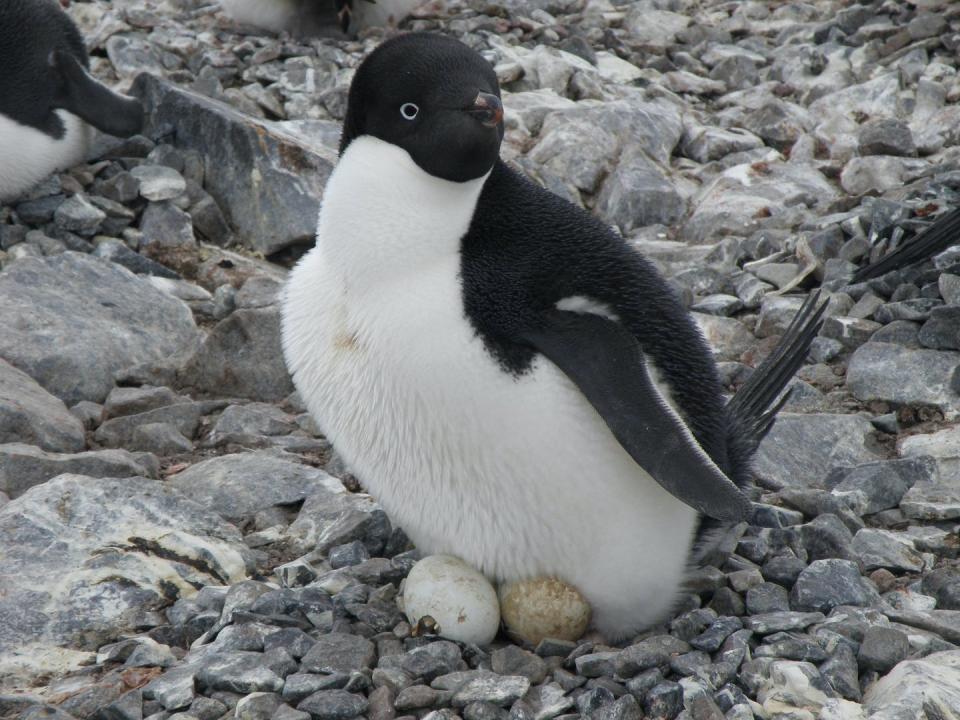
48	99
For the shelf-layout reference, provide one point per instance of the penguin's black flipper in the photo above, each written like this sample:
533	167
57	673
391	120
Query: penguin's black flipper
755	406
944	232
92	101
606	363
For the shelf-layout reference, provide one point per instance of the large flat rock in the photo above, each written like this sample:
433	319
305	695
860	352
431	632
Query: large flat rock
75	321
267	181
85	560
30	414
801	449
902	375
23	466
234	484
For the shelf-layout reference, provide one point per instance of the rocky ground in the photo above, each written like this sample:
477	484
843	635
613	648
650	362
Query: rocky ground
178	541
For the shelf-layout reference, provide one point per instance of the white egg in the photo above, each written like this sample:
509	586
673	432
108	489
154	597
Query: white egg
461	600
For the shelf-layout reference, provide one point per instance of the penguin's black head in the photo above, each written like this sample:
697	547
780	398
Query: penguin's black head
435	98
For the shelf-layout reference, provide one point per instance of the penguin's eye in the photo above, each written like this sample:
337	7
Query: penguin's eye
409	111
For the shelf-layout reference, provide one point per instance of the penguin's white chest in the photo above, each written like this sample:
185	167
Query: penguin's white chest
27	155
517	475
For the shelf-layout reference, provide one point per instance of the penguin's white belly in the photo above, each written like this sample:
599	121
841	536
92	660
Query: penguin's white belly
519	476
27	155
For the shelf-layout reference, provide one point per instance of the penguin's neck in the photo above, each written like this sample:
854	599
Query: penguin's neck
384	217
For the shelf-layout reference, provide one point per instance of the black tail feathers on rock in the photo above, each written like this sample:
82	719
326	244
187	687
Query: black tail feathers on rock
755	406
944	232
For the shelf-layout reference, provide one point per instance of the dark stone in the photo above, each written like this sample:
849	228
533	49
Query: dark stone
664	701
827	537
882	648
267	183
767	598
334	705
944	585
828	583
783	570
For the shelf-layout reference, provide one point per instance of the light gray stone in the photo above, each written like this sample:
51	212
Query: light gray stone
87	559
80	320
917	688
23	466
801	448
901	375
29	414
242	357
234	485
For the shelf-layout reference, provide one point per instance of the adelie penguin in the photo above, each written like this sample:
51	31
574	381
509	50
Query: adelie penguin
318	17
48	100
513	383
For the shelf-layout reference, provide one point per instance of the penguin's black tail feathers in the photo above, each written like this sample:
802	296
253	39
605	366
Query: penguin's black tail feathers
755	406
941	234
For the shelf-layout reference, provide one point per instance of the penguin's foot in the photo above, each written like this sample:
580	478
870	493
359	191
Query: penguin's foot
540	608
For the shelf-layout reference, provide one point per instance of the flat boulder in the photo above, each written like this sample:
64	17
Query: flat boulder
86	560
77	320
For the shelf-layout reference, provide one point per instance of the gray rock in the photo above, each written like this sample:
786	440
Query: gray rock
840	670
23	466
782	621
136	400
880	173
73	334
334	705
899	332
253	419
257	706
29	414
944	585
78	215
766	598
234	484
242	357
882	648
664	700
728	338
915	688
500	690
240	671
828	583
799	448
790	647
776	314
648	653
877	486
159	438
705	144
167	235
158	182
886	136
331	517
120	431
118	252
884	549
850	332
639	193
827	537
339	652
941	331
881	371
68	590
258	292
267	182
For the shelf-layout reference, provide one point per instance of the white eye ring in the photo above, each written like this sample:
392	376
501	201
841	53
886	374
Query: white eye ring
409	111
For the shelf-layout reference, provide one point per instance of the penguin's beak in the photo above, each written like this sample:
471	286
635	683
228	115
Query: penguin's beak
487	108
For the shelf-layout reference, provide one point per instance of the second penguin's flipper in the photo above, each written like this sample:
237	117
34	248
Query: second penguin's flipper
755	406
92	101
605	361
